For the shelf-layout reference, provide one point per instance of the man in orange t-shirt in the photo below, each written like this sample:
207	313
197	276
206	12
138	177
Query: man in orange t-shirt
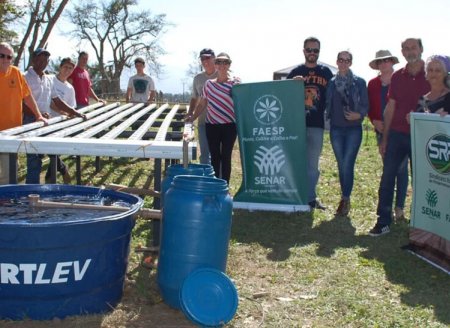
13	90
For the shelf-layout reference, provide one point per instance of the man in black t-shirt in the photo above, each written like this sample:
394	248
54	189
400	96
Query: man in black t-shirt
315	77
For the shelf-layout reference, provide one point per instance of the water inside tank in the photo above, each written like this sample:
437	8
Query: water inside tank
18	210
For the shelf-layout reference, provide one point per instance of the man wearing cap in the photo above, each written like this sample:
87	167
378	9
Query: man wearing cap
50	104
81	82
13	91
408	84
378	89
207	58
316	78
141	88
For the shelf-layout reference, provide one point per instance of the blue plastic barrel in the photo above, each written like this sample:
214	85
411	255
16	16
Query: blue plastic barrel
195	232
178	169
171	172
57	267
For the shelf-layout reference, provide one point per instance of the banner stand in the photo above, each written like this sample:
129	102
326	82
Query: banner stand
270	121
429	235
270	207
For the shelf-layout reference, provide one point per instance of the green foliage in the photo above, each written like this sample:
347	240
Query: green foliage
9	11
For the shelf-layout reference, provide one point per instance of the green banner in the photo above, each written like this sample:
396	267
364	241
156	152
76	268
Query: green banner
430	138
270	119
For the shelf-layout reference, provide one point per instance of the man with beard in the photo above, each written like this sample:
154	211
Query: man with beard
315	77
408	84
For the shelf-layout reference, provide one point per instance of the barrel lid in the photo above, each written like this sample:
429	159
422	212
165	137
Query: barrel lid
208	297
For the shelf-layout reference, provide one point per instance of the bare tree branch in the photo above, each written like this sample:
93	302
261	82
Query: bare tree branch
118	28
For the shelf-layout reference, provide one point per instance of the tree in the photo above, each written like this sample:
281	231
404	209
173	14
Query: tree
43	16
9	12
195	66
122	30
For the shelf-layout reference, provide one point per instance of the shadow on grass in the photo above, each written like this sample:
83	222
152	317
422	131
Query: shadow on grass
426	286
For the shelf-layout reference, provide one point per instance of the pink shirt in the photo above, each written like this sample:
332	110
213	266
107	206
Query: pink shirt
82	85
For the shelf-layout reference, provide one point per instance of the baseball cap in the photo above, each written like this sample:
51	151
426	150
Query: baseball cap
40	51
207	53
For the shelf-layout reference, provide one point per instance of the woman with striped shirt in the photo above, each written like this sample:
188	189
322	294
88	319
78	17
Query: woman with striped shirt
220	120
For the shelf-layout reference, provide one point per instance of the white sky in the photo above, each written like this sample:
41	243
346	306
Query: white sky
263	36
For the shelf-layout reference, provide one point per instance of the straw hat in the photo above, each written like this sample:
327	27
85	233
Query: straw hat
382	54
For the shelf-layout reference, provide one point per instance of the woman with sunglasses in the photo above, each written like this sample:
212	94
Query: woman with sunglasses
220	119
347	104
377	89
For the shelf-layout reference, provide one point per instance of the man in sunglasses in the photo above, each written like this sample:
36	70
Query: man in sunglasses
315	77
13	90
207	58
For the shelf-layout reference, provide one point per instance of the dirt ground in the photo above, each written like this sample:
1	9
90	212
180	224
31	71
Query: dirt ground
136	310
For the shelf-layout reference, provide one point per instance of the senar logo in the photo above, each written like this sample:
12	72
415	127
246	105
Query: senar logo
438	153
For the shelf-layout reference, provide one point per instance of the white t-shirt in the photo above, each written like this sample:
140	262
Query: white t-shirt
140	85
64	91
42	90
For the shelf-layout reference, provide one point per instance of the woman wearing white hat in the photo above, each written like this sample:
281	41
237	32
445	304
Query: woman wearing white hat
377	89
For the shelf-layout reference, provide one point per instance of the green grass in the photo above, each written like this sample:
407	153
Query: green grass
324	271
304	269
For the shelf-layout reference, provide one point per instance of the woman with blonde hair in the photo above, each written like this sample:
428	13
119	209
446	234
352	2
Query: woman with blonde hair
437	68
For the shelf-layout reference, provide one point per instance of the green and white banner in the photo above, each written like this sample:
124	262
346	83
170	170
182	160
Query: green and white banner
430	138
270	120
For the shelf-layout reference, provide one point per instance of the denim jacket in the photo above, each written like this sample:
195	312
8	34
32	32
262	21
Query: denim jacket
358	94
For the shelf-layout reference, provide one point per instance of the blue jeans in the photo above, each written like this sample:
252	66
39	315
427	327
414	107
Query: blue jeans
346	142
314	143
203	144
34	162
401	179
398	150
402	184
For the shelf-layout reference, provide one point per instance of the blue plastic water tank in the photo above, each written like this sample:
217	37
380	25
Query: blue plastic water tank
58	268
195	231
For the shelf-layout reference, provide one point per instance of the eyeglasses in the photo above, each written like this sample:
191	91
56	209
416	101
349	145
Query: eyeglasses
222	62
312	50
385	60
9	57
343	60
203	58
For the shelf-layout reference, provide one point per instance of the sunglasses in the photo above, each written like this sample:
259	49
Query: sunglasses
342	60
9	57
386	60
222	62
312	50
